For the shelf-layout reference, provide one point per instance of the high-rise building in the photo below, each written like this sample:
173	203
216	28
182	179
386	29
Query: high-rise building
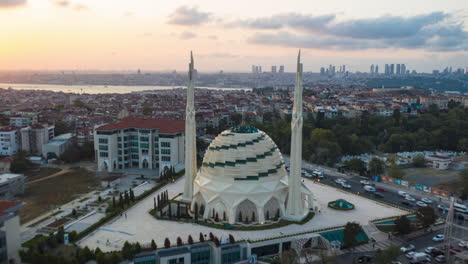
372	69
398	69
344	68
322	71
392	69
376	69
281	69
35	136
403	69
259	69
273	69
387	69
254	69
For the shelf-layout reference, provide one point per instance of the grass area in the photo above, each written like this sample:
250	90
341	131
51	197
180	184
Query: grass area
40	172
43	196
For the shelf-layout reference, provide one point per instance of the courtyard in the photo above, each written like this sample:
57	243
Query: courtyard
137	225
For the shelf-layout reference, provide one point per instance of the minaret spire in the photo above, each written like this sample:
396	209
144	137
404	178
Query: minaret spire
190	136
295	209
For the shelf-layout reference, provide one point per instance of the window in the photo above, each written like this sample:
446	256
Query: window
144	139
165	158
103	140
166	151
166	144
103	147
103	154
144	145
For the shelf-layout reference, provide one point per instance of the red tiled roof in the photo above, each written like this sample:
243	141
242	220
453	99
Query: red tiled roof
5	205
6	159
164	125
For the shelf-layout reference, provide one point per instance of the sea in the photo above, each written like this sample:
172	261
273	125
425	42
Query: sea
100	89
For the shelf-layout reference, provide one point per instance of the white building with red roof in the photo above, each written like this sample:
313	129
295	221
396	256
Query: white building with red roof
140	142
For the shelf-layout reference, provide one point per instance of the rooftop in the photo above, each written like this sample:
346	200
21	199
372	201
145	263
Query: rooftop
142	122
8	176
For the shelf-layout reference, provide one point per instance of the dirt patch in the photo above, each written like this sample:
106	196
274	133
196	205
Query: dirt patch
46	194
429	176
40	172
50	176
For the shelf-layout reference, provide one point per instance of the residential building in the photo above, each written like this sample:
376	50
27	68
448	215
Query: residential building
9	141
35	136
281	69
140	142
11	185
5	164
10	239
57	145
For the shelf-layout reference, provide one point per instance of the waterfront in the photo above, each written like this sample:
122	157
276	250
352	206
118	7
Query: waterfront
98	89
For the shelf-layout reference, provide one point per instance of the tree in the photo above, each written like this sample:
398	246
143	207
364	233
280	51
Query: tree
356	165
387	256
179	241
190	239
20	163
394	171
85	255
147	110
403	225
464	182
426	215
61	127
376	166
350	232
71	154
127	251
419	161
137	248
153	245
167	243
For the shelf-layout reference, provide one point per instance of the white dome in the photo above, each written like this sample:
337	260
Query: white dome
242	173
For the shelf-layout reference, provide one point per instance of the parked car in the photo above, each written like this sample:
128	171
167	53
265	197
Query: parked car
420	257
463	244
402	193
364	259
409	198
365	182
407	248
379	195
345	185
442	207
429	250
437	252
425	200
440	259
419	203
340	180
410	255
454	251
381	189
317	173
438	238
369	188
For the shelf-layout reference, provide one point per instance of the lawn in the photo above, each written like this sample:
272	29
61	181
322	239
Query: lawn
48	194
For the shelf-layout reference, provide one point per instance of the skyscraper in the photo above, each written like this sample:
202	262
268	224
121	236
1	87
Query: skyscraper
398	69
372	69
403	69
281	69
376	69
392	69
273	69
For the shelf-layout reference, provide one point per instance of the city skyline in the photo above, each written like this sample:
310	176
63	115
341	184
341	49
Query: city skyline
121	36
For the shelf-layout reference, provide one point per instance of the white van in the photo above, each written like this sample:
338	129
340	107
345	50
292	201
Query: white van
461	208
420	257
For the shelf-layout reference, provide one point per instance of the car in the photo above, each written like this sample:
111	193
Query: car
454	251
364	259
365	182
410	255
340	180
419	203
396	262
442	207
425	200
429	250
438	238
402	193
463	244
407	248
419	257
381	189
369	188
379	195
409	198
440	259
345	185
406	203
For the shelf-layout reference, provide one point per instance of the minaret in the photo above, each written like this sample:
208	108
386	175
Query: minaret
295	210
190	140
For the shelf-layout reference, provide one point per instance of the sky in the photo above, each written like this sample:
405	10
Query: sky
151	35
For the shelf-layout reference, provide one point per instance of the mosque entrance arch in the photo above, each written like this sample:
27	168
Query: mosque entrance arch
246	211
271	209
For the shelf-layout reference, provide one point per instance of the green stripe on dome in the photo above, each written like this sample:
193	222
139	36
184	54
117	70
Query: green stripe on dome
234	163
261	174
243	144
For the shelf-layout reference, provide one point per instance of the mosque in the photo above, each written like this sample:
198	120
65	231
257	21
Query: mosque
243	176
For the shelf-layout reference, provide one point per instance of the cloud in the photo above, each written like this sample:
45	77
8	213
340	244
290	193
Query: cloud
437	31
213	37
67	4
12	3
185	15
80	7
187	35
61	3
